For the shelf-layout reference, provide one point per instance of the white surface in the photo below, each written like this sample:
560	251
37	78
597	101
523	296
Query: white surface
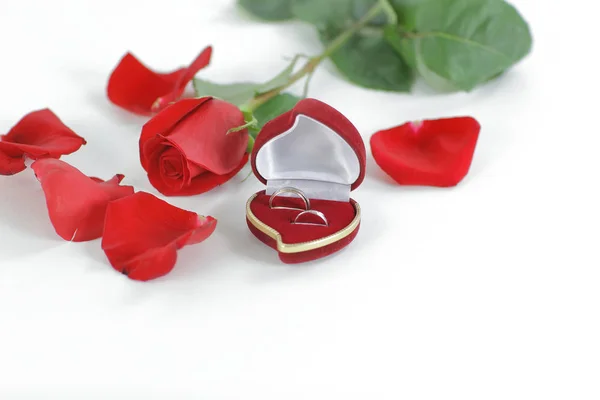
312	157
487	291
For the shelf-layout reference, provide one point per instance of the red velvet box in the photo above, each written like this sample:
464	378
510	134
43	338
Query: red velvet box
315	149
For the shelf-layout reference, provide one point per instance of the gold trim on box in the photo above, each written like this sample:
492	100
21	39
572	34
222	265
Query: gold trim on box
301	247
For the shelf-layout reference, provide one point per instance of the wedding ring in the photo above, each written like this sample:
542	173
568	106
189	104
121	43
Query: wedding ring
312	212
289	190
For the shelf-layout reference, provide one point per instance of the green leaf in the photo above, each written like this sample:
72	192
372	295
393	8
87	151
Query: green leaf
369	61
235	93
241	93
402	46
323	13
366	59
338	13
459	44
275	107
271	10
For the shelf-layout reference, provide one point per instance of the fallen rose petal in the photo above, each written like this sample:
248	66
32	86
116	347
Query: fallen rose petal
138	89
143	233
11	165
76	203
428	153
40	134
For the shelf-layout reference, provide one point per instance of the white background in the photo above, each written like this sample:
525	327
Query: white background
490	290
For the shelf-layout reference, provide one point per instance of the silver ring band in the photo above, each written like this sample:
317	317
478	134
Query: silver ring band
290	190
312	212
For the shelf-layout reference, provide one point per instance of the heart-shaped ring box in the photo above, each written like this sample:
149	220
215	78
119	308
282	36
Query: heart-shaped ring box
317	150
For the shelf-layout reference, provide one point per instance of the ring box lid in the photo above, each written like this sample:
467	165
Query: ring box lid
312	147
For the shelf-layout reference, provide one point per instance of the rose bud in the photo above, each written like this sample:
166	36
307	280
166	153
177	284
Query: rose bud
192	146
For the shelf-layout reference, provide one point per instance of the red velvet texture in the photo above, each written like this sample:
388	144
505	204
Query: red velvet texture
311	255
323	113
339	215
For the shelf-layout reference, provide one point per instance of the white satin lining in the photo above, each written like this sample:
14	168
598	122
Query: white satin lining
312	189
311	157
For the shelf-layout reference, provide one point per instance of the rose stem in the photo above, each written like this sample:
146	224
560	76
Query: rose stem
314	62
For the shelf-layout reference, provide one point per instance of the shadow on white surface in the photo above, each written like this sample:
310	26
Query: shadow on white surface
99	101
237	14
93	249
234	232
374	172
26	227
93	91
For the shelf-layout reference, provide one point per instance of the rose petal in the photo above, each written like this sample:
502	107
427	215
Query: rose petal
200	184
199	130
208	180
171	164
39	134
143	233
193	172
10	165
138	89
114	180
199	63
162	123
204	139
174	182
76	203
429	153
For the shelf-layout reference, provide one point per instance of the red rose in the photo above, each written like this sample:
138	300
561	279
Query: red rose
189	148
